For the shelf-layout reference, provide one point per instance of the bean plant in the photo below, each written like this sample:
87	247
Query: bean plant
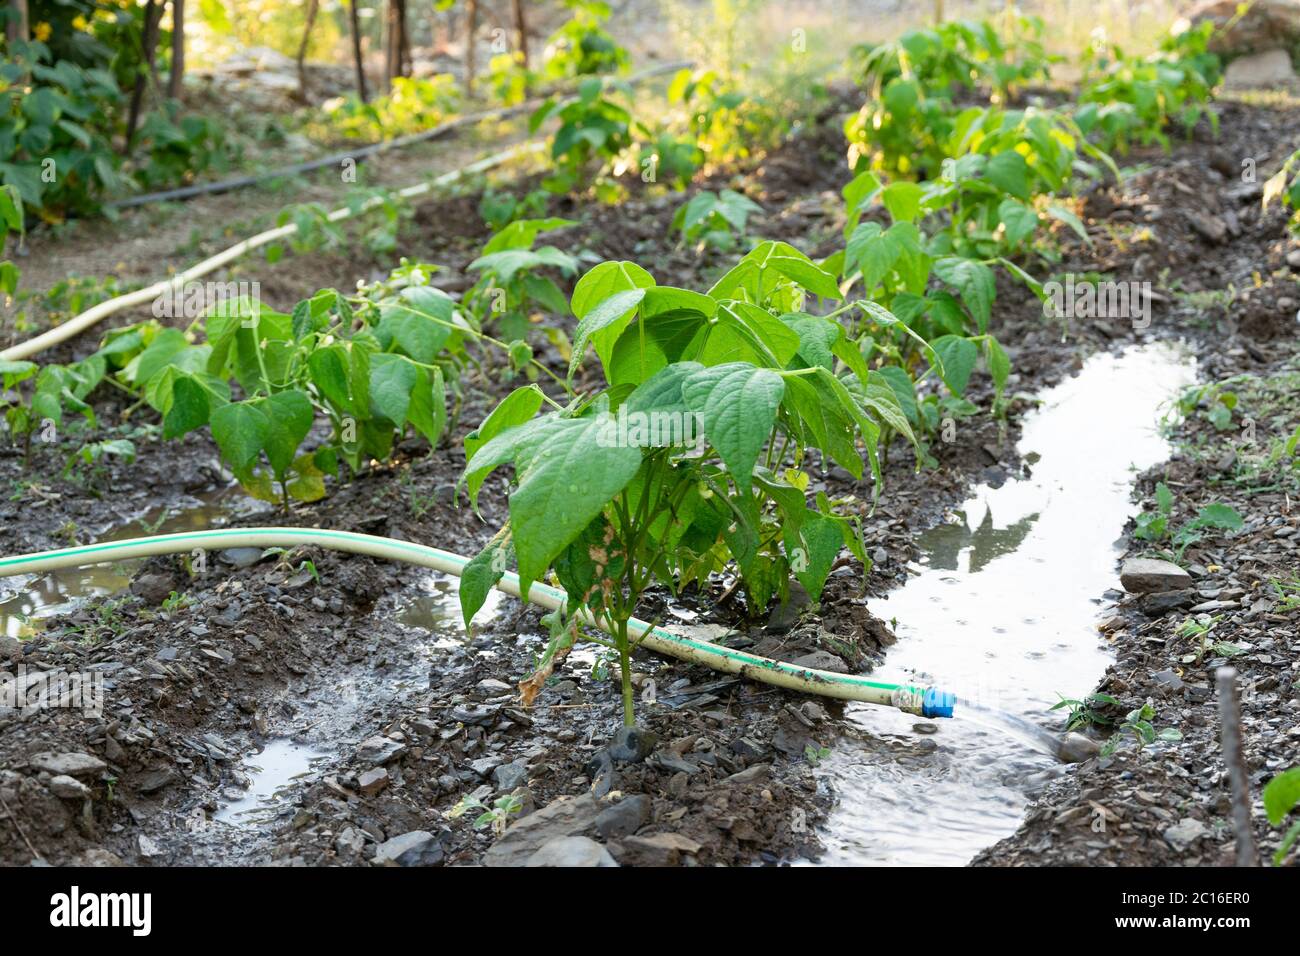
691	457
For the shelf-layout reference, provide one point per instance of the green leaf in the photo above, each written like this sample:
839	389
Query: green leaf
239	430
428	409
812	550
903	200
329	373
419	322
958	356
1070	219
598	285
481	575
514	410
392	379
1010	173
975	281
289	418
736	404
1019	219
189	408
999	365
564	482
616	311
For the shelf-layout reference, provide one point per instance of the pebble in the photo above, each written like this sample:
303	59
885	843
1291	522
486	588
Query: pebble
571	851
69	764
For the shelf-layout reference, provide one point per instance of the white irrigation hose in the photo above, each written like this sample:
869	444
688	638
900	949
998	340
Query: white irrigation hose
91	316
926	702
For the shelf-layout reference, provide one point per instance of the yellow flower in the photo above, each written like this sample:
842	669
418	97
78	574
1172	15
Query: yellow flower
42	31
80	23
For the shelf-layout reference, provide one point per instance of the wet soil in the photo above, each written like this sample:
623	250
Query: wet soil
410	718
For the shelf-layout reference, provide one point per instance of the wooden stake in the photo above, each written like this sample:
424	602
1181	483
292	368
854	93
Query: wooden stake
1230	726
521	31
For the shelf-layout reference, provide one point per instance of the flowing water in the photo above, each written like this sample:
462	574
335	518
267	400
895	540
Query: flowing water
1003	612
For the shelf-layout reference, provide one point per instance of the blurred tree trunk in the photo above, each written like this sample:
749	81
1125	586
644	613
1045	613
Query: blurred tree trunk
397	46
178	50
355	24
148	47
521	30
17	27
313	6
471	27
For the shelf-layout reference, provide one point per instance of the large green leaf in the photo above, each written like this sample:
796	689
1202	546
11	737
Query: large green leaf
392	379
419	322
976	283
289	417
958	356
564	482
737	404
240	430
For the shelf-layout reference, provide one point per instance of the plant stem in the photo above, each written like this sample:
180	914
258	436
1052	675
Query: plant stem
625	666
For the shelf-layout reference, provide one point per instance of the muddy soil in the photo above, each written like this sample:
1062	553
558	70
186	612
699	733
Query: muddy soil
365	665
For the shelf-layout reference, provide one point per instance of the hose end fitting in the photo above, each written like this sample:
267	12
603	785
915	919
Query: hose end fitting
937	703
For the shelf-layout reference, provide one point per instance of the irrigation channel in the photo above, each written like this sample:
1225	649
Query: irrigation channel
1002	608
1004	611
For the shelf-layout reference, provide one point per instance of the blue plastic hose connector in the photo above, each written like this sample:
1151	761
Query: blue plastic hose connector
937	703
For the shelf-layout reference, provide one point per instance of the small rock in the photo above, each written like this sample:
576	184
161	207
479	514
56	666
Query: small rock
417	848
148	848
70	764
821	661
1144	575
1185	832
156	780
68	788
925	728
754	774
239	558
571	851
373	781
625	817
379	750
491	687
1293	258
1162	602
1076	748
350	842
152	587
485	765
510	776
1268	70
572	816
657	849
632	744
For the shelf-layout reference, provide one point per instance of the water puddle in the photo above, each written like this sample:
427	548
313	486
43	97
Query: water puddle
437	611
269	772
1003	613
25	600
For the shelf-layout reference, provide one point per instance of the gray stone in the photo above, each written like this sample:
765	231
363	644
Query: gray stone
1162	602
379	750
491	687
71	764
485	765
821	661
373	781
1144	575
657	849
511	775
632	744
69	788
1076	748
573	816
1185	832
241	557
409	849
625	817
1266	70
571	851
